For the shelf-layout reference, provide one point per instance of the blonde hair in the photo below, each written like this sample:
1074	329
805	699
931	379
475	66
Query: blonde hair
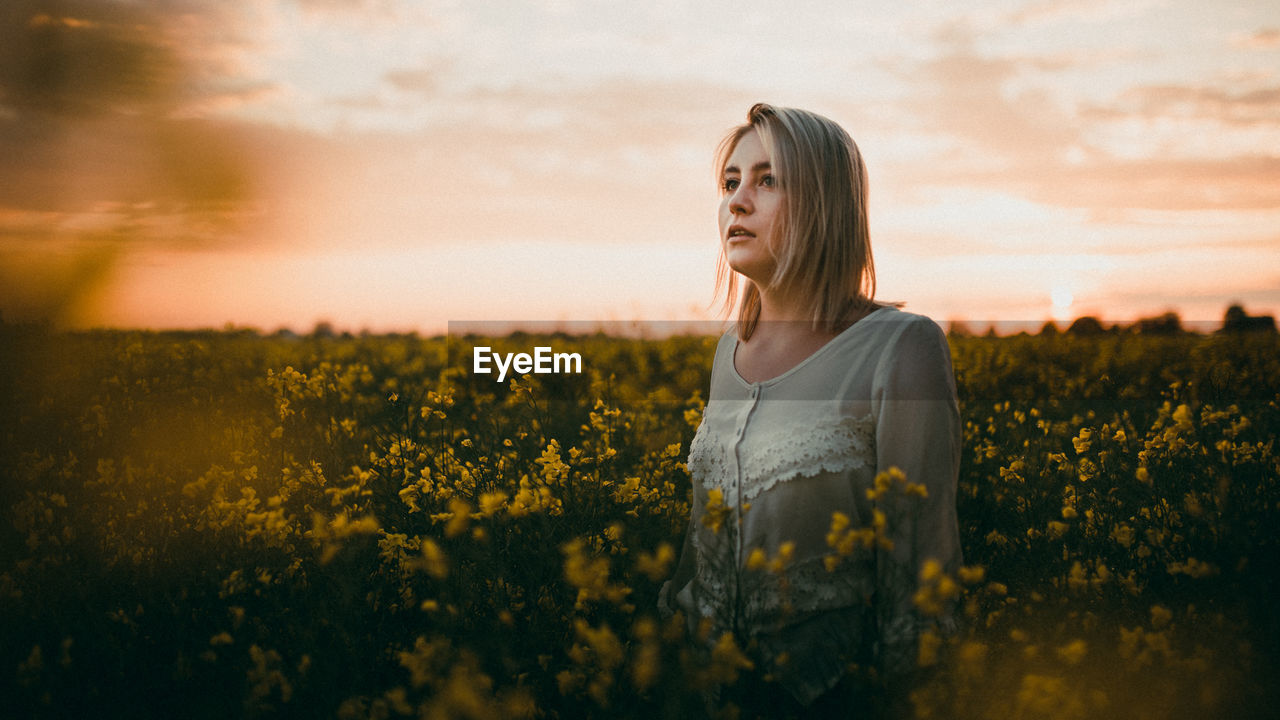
824	249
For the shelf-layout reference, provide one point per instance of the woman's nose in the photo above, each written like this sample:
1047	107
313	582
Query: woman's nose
740	202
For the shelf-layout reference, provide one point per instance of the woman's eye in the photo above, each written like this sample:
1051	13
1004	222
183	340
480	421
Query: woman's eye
768	181
729	184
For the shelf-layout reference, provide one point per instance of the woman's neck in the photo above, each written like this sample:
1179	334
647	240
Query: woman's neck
782	338
776	306
785	312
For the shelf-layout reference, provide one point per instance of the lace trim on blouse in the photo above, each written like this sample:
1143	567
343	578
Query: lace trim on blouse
817	439
707	459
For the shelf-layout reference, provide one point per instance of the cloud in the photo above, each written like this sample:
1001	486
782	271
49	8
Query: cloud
414	80
1105	184
81	60
998	122
970	96
1091	11
965	105
1265	39
103	143
1239	183
460	162
224	101
610	163
104	103
348	7
1247	107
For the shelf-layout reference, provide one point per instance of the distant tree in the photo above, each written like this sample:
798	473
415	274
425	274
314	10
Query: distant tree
1237	320
1086	325
323	329
1234	317
1049	328
1167	324
956	328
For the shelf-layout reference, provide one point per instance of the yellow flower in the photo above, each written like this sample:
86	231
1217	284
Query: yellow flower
434	560
1078	579
839	521
972	652
492	502
786	552
1193	568
714	514
1130	640
948	588
1082	441
927	648
1182	417
655	566
1102	574
1122	534
1160	616
459	516
604	644
567	681
646	665
553	468
727	659
884	481
590	575
879	521
1073	652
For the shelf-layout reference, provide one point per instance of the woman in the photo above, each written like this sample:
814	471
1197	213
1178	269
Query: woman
794	546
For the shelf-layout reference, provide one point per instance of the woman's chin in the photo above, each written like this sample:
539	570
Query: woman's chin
749	267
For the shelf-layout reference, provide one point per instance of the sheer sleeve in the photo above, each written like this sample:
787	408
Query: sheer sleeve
918	432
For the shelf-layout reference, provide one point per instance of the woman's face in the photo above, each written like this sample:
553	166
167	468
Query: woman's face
750	204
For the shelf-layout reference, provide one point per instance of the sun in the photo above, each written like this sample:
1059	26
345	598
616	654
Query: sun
1061	299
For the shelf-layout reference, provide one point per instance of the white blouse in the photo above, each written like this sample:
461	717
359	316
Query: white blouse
787	453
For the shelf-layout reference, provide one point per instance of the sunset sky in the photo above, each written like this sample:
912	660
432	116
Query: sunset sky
396	165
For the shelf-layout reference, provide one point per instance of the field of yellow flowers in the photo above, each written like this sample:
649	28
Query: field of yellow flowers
214	525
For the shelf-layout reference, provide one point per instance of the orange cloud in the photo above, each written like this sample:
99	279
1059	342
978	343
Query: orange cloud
1052	151
1266	39
1247	107
98	155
